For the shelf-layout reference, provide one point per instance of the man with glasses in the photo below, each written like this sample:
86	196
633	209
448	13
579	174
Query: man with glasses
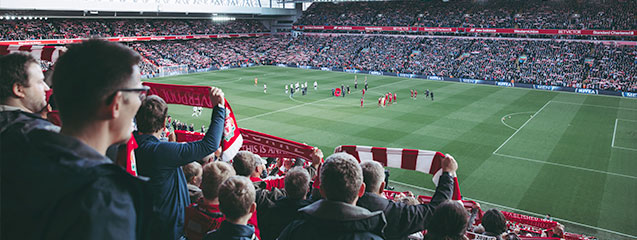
162	161
66	188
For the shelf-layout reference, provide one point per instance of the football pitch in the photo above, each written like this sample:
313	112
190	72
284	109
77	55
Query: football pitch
573	156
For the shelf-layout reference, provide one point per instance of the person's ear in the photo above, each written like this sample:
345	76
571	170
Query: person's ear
18	90
253	208
361	190
382	188
114	107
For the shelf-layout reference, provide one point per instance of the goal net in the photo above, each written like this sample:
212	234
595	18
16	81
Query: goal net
173	70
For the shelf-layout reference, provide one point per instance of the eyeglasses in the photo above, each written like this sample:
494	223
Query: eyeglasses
142	91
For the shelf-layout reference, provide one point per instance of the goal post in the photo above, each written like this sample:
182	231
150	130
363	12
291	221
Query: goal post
173	70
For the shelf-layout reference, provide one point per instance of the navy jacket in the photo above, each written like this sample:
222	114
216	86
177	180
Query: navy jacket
63	189
276	217
326	219
162	161
403	219
231	231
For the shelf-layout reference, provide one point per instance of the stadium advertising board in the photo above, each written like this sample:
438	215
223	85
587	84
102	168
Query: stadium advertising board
435	78
629	94
504	84
351	70
407	75
476	30
472	81
586	91
377	73
545	87
326	69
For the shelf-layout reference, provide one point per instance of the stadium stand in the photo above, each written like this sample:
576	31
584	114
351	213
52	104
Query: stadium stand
568	64
81	28
535	14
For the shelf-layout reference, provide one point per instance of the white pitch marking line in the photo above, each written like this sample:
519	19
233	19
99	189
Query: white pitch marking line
510	114
625	148
566	166
527	121
282	110
523	211
612	144
593	105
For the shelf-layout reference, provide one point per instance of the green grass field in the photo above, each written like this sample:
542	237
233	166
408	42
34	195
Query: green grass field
571	155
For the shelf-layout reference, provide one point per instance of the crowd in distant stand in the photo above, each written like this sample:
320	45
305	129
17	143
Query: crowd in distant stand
568	64
533	14
79	28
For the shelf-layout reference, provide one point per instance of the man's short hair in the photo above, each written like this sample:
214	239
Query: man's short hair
214	174
151	114
373	175
13	69
449	222
88	75
297	182
494	222
236	194
245	163
192	170
341	178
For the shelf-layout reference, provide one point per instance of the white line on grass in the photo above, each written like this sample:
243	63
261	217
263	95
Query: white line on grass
283	110
566	166
510	114
625	148
593	105
612	144
523	211
516	131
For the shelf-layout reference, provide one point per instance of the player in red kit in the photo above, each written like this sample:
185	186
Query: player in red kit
395	98
411	93
363	92
361	102
415	94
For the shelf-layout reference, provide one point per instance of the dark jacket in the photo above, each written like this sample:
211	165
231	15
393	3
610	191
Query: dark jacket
63	189
274	219
326	219
162	161
232	231
403	219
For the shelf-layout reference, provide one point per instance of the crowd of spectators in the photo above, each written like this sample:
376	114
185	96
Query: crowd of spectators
534	14
87	28
565	63
155	188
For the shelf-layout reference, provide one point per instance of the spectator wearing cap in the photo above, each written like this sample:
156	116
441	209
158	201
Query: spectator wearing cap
337	216
403	219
